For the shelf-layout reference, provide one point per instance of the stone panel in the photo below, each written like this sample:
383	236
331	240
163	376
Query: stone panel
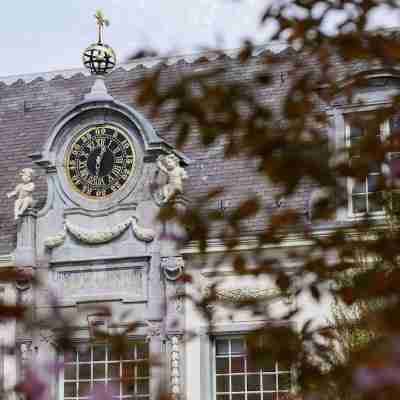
114	280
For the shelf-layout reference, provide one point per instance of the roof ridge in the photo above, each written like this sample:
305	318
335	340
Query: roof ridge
147	62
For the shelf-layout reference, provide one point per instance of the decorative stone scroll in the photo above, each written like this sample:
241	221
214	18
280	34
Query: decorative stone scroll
172	267
153	329
89	236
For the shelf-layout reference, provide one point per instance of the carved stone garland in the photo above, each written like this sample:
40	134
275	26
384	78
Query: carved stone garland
99	237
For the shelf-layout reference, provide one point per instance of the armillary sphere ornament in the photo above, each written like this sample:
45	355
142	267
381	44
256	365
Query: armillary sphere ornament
99	58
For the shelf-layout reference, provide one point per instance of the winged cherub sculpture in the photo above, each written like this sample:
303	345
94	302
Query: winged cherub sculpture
23	191
169	164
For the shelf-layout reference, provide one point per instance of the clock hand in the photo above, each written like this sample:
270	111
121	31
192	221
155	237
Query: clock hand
99	159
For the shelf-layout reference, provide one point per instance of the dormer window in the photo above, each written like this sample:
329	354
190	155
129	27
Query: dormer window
364	195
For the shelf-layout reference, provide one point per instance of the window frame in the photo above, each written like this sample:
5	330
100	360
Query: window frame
384	132
242	335
87	343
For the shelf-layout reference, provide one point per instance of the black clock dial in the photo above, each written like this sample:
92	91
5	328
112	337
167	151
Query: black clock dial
100	161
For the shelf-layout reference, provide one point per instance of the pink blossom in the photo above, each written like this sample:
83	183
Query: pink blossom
100	392
374	378
32	386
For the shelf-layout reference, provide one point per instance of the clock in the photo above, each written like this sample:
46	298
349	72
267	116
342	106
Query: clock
100	161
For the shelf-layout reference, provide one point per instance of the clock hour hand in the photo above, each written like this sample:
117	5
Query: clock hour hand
99	159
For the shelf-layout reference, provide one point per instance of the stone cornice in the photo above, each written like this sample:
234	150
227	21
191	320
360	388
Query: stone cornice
7	260
216	245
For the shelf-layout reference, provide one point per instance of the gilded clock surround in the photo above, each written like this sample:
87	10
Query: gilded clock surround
100	161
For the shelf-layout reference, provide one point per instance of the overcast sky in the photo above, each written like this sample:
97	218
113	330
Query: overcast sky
47	35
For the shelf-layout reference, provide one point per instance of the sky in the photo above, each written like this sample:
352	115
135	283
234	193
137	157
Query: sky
48	35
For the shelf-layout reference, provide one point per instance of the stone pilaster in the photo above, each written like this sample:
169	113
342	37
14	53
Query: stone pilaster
176	368
25	253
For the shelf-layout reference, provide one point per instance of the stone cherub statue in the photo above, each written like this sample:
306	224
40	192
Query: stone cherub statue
169	164
23	191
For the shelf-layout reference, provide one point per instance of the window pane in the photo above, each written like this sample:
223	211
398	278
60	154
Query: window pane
128	370
222	383
128	387
253	383
253	396
251	365
84	371
270	396
373	181
113	355
99	371
237	346
268	365
113	370
374	166
99	353
359	204
84	354
83	388
70	371
237	378
375	202
223	397
355	131
142	351
237	383
237	364
284	381
100	386
269	382
222	346
69	389
143	370
359	187
143	386
222	365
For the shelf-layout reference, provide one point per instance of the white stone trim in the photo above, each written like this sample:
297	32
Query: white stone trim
7	260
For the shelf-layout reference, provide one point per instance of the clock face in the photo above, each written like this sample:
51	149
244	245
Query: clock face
100	161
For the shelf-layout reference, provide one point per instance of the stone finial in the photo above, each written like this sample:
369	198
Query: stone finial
23	191
169	165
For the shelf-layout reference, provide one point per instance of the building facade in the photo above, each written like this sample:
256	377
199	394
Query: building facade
92	171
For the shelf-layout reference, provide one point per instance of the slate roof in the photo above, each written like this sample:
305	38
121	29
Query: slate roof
29	108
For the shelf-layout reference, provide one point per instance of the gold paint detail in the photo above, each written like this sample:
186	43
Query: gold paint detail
122	168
